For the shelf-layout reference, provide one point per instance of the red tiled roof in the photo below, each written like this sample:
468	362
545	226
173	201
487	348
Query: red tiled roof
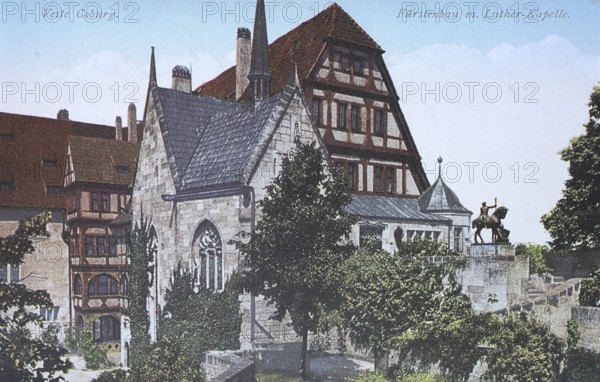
25	143
302	44
103	161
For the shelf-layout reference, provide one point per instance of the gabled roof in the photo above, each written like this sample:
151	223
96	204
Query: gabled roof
440	198
183	117
103	161
302	44
390	207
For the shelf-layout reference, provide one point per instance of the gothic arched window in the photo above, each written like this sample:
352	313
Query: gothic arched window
208	256
78	286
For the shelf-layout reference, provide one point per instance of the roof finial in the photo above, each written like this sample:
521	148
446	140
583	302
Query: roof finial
440	160
152	68
260	73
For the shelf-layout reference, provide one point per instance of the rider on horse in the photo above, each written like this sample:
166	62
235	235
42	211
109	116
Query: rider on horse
483	212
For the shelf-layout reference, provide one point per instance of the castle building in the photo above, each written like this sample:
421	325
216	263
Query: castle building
206	157
354	104
98	180
32	162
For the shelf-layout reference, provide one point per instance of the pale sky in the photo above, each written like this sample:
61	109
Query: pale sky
495	88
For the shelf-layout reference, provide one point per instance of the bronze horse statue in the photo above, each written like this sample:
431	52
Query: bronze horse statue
494	222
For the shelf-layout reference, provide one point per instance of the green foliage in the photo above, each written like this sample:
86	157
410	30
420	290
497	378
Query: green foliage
293	256
403	376
523	349
573	333
168	361
95	358
537	254
23	357
575	219
201	319
582	366
142	249
400	302
590	290
118	375
371	377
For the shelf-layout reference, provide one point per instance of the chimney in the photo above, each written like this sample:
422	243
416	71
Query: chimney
63	115
181	79
132	124
118	129
242	61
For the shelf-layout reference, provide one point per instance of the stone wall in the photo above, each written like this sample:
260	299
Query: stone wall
494	278
225	366
589	326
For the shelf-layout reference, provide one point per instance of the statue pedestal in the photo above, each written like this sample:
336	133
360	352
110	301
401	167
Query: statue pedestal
494	278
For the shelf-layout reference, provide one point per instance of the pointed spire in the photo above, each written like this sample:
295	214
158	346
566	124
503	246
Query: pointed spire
260	74
294	77
152	68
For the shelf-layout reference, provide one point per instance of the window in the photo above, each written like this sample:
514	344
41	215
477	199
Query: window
458	239
106	328
49	163
355	118
105	202
100	246
89	246
103	285
316	110
389	180
345	62
207	248
95	202
342	108
112	246
124	286
351	177
49	313
410	235
7	187
122	170
14	274
377	187
78	286
357	66
54	191
379	125
371	233
7	137
3	273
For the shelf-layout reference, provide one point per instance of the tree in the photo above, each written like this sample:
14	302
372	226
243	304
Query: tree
401	301
293	256
590	290
142	249
199	318
537	255
522	349
575	220
23	357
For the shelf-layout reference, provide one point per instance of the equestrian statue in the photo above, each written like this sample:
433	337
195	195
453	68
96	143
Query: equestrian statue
494	222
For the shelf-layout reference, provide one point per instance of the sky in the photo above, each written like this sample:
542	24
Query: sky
496	89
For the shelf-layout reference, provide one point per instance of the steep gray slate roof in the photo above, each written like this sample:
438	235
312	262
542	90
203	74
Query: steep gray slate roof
183	117
440	198
227	144
389	207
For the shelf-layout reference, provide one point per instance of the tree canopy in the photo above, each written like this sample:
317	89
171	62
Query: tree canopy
575	220
24	357
294	254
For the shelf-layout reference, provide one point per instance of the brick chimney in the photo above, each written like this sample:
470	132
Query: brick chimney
181	79
63	115
132	124
242	61
118	129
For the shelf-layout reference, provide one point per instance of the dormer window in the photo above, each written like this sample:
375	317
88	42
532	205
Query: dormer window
50	163
7	137
122	170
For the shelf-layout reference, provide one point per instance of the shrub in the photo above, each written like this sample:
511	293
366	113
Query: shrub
372	377
590	290
118	375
